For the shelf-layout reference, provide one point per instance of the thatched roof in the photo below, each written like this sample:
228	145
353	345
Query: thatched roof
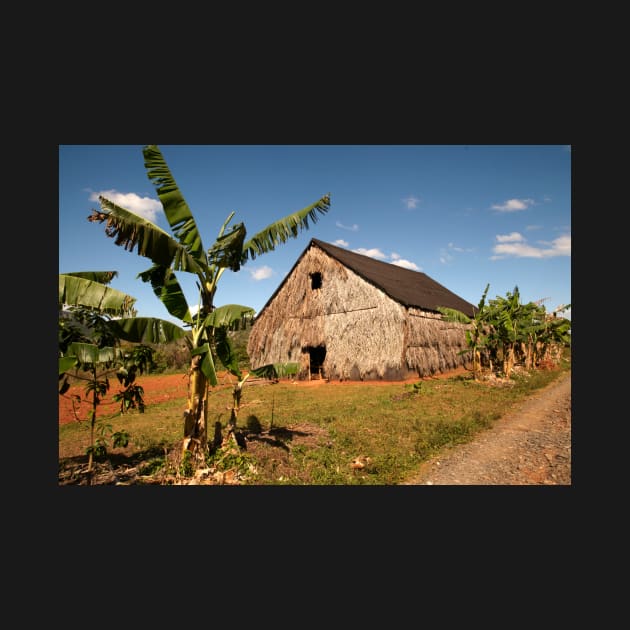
410	288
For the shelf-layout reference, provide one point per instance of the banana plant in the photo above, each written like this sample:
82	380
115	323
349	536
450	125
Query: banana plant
507	316
557	334
475	333
89	292
183	251
90	341
90	289
533	329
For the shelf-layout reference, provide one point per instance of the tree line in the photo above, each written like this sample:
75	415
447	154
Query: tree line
505	332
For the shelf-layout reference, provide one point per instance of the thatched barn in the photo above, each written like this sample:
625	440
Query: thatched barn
345	316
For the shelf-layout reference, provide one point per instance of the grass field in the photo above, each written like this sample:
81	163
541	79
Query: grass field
323	434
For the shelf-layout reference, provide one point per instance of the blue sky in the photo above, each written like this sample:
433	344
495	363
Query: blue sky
465	215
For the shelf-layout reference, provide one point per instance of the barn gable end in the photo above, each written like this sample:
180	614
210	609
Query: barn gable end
341	317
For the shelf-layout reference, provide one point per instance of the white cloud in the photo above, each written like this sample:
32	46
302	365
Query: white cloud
353	228
445	257
375	252
142	206
562	245
407	264
513	205
510	246
372	253
261	273
459	250
411	202
341	243
513	237
445	253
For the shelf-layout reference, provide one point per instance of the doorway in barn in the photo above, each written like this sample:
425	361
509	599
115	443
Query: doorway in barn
316	354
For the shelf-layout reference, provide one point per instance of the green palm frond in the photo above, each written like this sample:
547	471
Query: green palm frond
207	363
482	301
225	224
79	291
147	330
104	277
453	315
131	231
232	316
167	289
227	250
176	209
91	354
288	227
225	352
276	370
66	364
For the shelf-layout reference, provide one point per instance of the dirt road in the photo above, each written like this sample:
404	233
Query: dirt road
531	445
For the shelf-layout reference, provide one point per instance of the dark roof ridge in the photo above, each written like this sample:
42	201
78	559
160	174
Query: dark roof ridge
408	287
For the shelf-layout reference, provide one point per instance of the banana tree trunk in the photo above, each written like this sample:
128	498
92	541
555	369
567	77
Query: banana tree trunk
476	364
92	422
508	361
528	352
196	416
92	425
230	436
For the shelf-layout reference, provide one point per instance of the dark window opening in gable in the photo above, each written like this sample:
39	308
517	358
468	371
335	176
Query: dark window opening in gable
316	280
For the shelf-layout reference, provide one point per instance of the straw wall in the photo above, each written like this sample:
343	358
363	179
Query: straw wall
366	334
432	345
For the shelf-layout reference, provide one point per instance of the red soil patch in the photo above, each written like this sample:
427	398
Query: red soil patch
162	387
157	388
